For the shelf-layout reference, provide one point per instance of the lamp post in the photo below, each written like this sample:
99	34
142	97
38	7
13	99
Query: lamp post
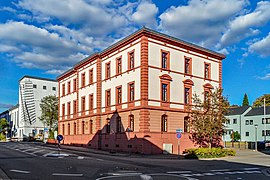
256	127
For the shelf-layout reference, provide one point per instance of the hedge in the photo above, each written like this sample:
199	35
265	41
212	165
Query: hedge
209	152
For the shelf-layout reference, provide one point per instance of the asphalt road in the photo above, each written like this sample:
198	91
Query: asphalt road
32	161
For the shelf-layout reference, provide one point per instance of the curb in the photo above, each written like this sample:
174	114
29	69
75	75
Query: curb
3	175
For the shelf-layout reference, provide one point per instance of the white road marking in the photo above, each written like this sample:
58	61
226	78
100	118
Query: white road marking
218	170
73	175
80	157
247	169
38	151
19	171
29	149
179	172
209	174
146	177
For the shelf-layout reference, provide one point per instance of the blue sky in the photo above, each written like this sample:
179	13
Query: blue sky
47	37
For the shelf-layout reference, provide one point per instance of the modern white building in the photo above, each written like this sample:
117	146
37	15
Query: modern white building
249	122
14	119
31	91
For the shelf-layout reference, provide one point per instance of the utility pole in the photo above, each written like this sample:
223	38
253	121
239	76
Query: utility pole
264	119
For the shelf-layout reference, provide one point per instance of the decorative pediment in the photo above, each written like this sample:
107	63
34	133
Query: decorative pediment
189	82
166	77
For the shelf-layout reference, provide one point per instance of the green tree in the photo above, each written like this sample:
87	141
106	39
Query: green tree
235	136
3	124
260	101
49	112
207	118
245	100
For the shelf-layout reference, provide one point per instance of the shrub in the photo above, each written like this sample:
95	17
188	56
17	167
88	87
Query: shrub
2	136
210	152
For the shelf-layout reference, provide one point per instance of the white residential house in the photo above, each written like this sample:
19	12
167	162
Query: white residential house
14	119
249	122
31	91
235	121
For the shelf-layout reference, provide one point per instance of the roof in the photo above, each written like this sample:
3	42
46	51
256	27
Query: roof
258	111
40	78
14	107
237	110
138	32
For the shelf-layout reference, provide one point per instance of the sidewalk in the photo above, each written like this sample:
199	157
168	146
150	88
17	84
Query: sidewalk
82	150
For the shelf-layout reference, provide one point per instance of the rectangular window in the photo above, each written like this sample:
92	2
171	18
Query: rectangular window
247	133
267	132
207	70
234	121
68	87
206	95
131	92
54	88
63	89
63	109
91	102
83	80
75	107
247	122
165	60
118	66
267	120
164	92
90	76
131	122
187	65
131	60
83	104
187	95
108	70
74	85
68	108
118	95
44	87
34	86
108	97
228	121
251	122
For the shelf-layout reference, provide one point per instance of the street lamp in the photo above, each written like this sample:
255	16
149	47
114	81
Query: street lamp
256	127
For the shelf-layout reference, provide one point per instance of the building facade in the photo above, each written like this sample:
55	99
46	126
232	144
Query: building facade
253	124
133	95
31	91
14	120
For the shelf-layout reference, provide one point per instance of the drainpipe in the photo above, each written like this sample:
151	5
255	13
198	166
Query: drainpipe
240	128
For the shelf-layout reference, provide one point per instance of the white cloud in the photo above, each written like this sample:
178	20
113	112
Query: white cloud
9	9
266	77
243	26
146	14
261	47
93	18
200	21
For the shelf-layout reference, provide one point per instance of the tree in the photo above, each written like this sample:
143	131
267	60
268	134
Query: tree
245	100
49	112
207	118
3	124
259	101
235	136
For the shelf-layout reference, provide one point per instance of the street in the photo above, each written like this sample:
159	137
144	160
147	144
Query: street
39	161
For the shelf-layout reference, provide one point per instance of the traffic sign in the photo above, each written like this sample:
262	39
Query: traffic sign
60	138
178	135
180	130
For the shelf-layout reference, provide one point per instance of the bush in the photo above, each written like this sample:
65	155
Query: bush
210	152
2	136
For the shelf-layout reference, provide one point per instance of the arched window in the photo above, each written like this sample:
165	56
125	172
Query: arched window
118	124
108	129
91	127
186	124
83	124
74	129
131	122
63	129
164	123
68	129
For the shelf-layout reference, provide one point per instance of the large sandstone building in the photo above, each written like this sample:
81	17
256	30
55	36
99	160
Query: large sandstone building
133	95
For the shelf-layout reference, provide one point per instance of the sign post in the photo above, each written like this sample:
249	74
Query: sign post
178	136
59	139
